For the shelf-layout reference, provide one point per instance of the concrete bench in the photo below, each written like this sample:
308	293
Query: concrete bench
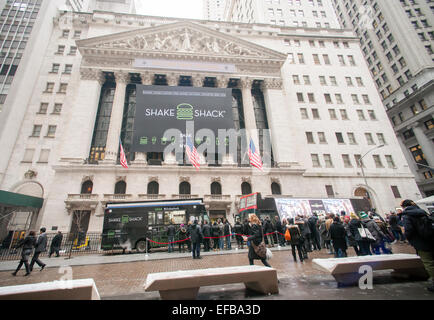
346	270
83	289
184	285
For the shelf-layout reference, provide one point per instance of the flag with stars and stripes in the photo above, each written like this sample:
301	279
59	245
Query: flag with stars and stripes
254	156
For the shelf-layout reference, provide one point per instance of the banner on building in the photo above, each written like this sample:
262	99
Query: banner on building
290	208
160	108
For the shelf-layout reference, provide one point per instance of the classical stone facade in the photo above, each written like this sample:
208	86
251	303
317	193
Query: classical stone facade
313	151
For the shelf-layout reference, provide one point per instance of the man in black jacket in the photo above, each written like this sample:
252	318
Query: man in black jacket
196	239
171	236
412	216
206	230
314	233
55	244
40	246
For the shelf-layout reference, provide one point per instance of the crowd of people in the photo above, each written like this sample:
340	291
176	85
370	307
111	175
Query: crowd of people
367	233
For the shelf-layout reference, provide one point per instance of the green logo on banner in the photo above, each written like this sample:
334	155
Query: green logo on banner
125	219
184	111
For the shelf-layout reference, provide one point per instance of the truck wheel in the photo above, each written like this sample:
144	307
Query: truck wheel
141	246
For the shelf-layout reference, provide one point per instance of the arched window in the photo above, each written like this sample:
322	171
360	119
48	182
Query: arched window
216	188
87	187
120	187
184	188
153	187
275	188
246	188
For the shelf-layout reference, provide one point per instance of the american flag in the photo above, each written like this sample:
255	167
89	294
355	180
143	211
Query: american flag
123	158
192	154
254	156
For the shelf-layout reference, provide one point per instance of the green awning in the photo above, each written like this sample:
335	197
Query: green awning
11	199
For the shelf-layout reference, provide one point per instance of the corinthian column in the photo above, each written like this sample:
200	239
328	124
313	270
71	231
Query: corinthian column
278	120
248	109
114	132
81	118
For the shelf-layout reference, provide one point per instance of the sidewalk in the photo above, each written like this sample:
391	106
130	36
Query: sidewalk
98	259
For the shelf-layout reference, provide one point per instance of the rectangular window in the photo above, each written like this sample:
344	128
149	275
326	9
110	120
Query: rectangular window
330	192
326	59
28	155
311	97
327	98
65	33
333	81
361	115
358	160
296	79
395	191
377	161
55	68
355	99
63	87
57	108
51	132
344	114
77	34
339	137
309	137
332	113
316	59
339	98
328	161
381	139
43	108
390	162
68	69
300	58
369	138
300	97
351	138
315	114
371	114
322	80
49	88
306	80
60	49
72	51
43	156
322	137
36	130
304	114
347	161
366	99
315	160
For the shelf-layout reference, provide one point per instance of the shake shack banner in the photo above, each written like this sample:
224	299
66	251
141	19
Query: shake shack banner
160	108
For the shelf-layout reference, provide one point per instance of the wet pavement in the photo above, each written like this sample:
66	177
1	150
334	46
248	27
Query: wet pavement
121	277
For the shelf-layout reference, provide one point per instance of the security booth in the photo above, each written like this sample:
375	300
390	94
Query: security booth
18	214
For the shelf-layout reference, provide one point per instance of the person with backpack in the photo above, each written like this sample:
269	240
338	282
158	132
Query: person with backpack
215	235
238	230
295	242
418	229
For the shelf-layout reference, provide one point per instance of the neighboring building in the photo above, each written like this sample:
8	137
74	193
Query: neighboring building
290	13
307	85
213	9
397	39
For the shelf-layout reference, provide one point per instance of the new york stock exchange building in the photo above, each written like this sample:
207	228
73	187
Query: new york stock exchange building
305	96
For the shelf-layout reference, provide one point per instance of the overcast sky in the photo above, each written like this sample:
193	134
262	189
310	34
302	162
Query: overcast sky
191	9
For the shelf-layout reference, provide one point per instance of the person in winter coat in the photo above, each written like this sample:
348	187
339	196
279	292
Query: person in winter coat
412	216
28	244
228	234
363	244
307	235
279	229
302	227
221	240
196	239
55	244
351	241
206	230
338	236
375	230
386	239
182	235
396	228
171	236
215	234
256	237
295	242
327	239
40	246
315	237
268	230
238	229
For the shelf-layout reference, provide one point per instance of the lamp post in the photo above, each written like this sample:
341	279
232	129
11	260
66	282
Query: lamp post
363	171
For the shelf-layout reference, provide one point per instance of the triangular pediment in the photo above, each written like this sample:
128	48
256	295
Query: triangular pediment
180	38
